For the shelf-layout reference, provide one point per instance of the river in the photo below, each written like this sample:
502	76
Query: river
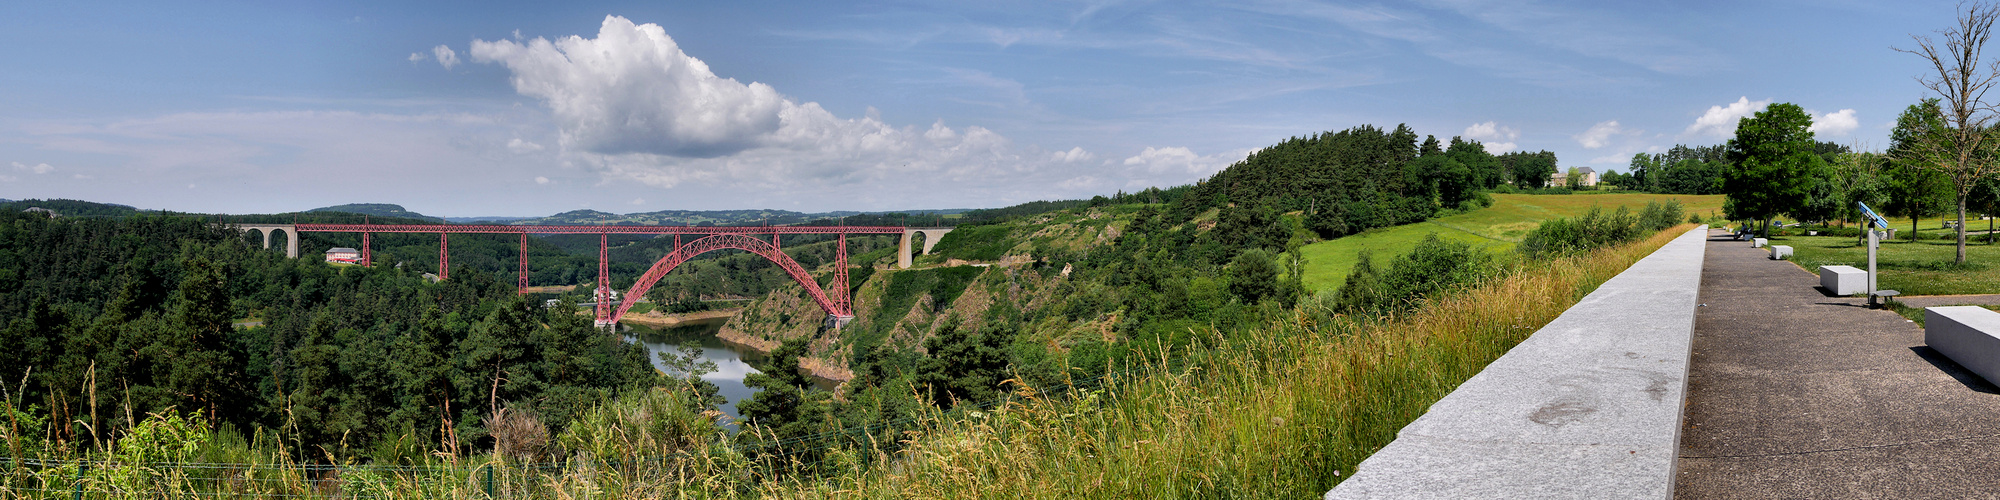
732	362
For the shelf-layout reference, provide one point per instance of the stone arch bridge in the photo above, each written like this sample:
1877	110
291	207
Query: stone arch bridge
931	237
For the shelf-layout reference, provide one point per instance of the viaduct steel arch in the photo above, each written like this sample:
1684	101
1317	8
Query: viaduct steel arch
833	299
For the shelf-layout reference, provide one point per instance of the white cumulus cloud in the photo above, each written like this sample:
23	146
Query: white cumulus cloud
1599	135
1835	123
1498	139
632	90
1720	121
417	57
541	180
445	56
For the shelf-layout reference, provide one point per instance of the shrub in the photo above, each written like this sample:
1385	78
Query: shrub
1595	229
1658	216
1360	291
517	434
1433	266
1253	275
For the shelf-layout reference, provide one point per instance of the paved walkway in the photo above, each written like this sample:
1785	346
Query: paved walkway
1793	394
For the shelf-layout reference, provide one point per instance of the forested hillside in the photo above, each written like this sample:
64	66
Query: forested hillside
1361	178
111	319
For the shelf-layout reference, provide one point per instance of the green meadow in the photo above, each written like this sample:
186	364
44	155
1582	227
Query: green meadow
1925	267
1494	229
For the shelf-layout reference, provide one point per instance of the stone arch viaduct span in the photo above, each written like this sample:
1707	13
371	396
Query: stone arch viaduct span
931	237
291	235
832	298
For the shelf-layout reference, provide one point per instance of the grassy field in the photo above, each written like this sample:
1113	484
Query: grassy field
1494	229
1914	268
1933	227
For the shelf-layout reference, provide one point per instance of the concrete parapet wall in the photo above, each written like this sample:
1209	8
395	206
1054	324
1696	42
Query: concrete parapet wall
1587	407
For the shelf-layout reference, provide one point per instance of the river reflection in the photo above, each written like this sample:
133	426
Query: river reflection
732	362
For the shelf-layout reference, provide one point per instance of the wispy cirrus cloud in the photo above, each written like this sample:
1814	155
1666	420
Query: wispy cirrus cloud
1599	135
263	158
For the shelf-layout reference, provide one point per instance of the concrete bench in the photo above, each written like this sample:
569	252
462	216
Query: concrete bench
1967	335
1758	242
1843	280
1781	252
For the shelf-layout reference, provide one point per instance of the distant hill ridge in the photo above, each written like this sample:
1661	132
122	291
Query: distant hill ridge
377	209
752	217
77	208
580	217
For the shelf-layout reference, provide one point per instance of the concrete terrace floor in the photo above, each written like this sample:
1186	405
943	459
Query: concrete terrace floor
1793	394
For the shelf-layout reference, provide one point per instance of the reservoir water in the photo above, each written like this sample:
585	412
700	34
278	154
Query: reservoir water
732	362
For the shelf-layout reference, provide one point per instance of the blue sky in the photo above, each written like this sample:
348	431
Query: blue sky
534	108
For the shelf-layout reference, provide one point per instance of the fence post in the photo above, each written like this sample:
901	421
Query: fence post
80	467
489	480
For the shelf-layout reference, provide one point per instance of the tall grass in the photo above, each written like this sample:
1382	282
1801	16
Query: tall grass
1285	413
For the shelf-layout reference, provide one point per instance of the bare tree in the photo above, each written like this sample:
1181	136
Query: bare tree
1962	151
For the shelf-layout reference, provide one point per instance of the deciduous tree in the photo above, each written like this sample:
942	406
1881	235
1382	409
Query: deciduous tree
1962	148
1915	189
1774	162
